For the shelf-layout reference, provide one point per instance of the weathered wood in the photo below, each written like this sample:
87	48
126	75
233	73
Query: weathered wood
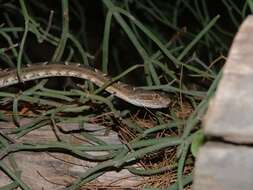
52	171
220	166
230	112
227	165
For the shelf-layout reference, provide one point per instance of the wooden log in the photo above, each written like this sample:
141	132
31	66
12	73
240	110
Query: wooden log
226	165
221	166
230	112
52	171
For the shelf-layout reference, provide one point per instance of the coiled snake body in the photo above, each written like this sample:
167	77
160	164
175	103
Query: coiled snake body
133	95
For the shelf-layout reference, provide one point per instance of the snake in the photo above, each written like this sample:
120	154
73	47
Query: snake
133	95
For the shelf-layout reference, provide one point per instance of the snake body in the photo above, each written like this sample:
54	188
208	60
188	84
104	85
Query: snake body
133	95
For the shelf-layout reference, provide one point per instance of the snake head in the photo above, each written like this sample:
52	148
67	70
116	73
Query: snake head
150	99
